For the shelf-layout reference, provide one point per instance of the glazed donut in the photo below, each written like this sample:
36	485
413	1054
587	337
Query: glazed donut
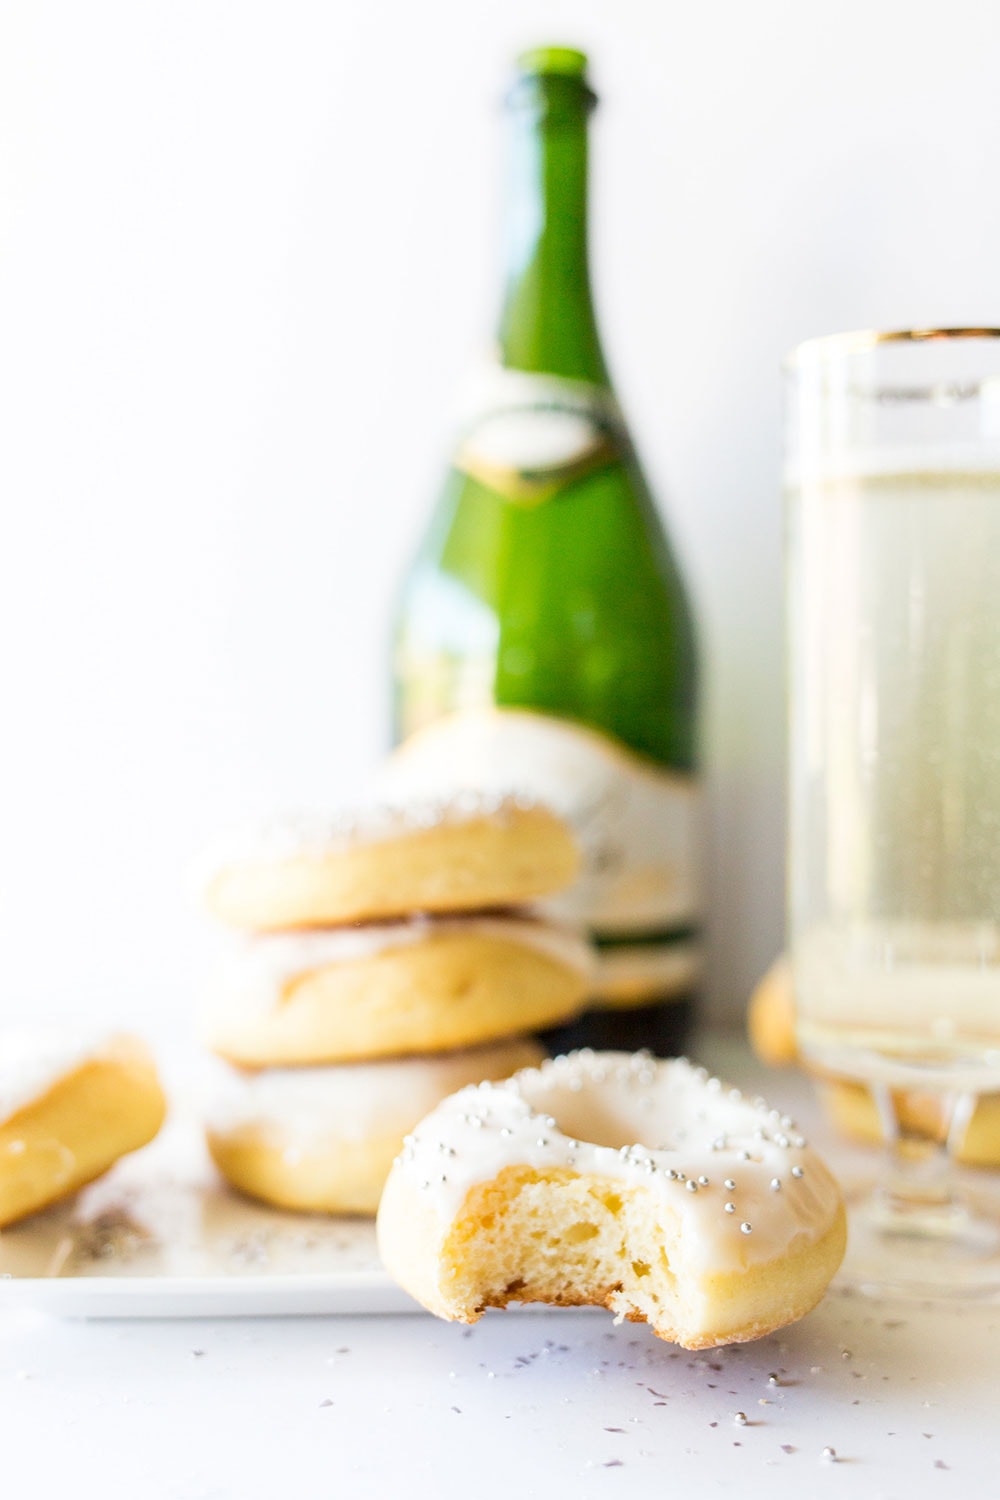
849	1105
720	1227
70	1106
426	985
471	852
323	1139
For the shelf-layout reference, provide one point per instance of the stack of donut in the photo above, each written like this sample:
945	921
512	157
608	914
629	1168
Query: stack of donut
386	959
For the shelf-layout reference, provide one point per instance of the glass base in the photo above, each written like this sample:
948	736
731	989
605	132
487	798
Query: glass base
924	1246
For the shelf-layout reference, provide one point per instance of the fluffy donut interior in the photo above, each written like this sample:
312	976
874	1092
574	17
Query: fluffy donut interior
570	1240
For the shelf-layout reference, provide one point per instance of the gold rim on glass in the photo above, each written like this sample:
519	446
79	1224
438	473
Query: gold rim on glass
836	345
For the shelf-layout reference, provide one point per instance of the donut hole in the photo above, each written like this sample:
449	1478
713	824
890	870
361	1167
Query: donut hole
601	1117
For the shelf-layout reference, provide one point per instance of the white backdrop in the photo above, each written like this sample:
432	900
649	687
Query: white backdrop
245	253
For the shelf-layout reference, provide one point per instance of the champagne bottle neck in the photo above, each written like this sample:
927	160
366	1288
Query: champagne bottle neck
548	322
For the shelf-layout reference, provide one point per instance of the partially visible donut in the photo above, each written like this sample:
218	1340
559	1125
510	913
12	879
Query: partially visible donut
425	985
720	1227
850	1104
70	1106
323	1139
467	853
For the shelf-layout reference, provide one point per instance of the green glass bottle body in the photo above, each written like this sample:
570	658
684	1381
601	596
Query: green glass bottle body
545	583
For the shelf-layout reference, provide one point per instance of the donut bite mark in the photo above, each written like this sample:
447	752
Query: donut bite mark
720	1228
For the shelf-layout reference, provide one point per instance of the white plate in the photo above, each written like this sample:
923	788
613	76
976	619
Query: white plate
161	1237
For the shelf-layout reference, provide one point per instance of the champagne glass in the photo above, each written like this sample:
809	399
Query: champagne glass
893	494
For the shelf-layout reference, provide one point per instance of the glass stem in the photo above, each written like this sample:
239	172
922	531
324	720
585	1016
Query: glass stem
919	1195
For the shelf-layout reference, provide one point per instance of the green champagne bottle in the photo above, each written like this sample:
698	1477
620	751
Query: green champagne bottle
544	638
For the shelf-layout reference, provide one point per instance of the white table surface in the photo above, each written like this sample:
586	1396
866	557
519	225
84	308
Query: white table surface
539	1403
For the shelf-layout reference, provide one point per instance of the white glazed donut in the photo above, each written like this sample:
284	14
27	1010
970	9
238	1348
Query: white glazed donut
464	853
429	984
70	1105
720	1227
323	1139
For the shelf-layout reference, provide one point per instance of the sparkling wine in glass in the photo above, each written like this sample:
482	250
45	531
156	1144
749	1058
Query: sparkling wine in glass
893	486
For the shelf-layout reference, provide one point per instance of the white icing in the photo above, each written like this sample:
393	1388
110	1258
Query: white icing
313	835
587	1110
348	1101
253	977
33	1061
638	825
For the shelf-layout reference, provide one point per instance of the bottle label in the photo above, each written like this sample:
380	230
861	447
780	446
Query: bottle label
527	436
638	825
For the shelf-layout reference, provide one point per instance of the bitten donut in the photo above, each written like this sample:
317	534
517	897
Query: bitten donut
429	984
323	1139
720	1227
465	854
70	1106
850	1105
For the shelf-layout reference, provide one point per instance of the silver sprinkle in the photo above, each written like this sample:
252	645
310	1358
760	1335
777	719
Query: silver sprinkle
691	1185
505	1130
671	1175
729	1183
797	1172
740	1418
773	1379
543	1140
746	1228
703	1180
730	1208
775	1184
829	1455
